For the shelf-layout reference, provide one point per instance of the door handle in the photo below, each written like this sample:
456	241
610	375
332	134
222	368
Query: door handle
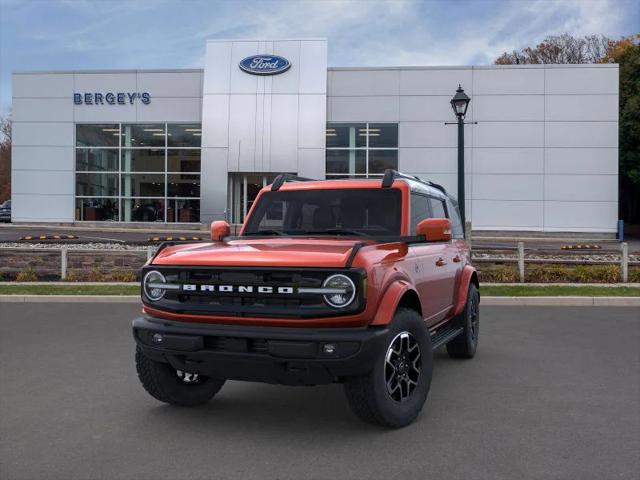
457	259
440	262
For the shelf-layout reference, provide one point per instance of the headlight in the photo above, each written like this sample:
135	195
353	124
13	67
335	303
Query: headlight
153	285
340	290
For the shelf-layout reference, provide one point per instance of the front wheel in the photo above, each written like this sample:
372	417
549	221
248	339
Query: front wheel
393	392
165	383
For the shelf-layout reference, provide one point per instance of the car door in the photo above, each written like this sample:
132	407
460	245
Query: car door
449	256
462	253
430	276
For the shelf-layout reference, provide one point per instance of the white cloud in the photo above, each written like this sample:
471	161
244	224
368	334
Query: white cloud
405	32
168	33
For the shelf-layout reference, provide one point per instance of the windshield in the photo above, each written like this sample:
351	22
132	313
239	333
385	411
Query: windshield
359	212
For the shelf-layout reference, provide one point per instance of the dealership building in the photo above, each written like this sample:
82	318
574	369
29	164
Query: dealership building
196	145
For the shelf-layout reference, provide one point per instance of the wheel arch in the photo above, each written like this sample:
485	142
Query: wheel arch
399	294
410	300
469	276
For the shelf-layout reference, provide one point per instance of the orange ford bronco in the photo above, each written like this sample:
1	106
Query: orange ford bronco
350	281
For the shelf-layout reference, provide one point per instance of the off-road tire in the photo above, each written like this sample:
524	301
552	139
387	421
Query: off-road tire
162	383
466	344
368	395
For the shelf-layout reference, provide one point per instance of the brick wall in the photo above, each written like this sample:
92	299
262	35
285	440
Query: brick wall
94	266
44	264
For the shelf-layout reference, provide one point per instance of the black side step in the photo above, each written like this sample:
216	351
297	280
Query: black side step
445	335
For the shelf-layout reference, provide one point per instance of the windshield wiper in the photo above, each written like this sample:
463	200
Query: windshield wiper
266	232
335	231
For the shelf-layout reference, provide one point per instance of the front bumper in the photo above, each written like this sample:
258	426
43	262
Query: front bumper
289	356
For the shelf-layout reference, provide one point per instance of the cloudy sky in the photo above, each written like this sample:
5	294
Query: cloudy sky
105	34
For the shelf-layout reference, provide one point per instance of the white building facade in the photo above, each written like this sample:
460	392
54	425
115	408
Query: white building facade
188	146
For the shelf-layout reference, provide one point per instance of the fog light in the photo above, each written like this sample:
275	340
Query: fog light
157	338
329	348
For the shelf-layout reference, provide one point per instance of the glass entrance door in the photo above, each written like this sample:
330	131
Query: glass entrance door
243	190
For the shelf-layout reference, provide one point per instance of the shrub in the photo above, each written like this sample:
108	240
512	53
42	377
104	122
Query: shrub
73	277
27	275
634	274
492	273
96	275
538	273
123	276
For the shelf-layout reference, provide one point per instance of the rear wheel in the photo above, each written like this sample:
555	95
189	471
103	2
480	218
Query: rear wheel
395	390
165	383
466	344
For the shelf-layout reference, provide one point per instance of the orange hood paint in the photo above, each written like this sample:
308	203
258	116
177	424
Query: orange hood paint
270	252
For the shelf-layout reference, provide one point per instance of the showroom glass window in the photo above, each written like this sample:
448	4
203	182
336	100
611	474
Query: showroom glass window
361	150
138	172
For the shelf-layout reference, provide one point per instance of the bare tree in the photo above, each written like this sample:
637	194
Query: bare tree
5	130
5	158
563	48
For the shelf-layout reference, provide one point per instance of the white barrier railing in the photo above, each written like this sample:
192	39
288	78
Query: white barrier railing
624	261
521	259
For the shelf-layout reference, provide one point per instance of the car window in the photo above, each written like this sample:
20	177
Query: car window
364	211
419	210
456	224
437	208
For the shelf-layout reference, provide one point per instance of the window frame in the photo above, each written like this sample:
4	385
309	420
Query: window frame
366	148
445	203
121	173
414	194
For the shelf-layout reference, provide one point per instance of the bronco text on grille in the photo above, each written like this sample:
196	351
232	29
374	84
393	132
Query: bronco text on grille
247	292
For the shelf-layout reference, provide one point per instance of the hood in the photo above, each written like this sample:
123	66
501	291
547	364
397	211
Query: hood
272	252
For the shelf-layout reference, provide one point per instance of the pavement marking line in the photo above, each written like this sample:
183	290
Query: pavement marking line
490	301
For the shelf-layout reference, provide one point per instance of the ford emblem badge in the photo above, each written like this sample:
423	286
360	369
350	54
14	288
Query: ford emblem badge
265	64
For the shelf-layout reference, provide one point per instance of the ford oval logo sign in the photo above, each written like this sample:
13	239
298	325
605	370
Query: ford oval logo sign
265	64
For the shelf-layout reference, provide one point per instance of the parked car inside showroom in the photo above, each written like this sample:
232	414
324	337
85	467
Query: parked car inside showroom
5	211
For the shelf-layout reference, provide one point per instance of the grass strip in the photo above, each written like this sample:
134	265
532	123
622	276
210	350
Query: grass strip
558	291
53	289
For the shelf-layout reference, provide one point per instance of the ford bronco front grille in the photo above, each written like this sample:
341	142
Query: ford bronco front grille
251	292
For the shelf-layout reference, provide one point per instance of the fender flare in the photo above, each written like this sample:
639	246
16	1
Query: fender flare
389	303
469	275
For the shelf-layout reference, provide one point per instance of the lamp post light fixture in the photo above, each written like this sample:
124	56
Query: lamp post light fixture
459	104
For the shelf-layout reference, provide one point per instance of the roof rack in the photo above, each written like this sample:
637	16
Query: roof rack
390	175
287	177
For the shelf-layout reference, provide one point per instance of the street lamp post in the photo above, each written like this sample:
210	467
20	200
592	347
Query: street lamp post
460	103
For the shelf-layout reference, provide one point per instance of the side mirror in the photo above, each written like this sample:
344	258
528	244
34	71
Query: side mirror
435	229
219	230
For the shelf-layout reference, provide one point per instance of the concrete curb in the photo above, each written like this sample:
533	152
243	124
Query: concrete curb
605	285
562	301
490	301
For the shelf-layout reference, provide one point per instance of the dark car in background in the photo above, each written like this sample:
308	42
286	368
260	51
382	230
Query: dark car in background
5	211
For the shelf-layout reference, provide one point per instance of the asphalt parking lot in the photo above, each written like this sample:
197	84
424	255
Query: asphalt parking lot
552	393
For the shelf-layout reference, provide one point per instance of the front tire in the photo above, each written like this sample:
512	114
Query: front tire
165	383
393	393
466	344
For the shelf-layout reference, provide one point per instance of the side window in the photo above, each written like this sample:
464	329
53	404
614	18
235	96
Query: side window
437	207
419	210
456	224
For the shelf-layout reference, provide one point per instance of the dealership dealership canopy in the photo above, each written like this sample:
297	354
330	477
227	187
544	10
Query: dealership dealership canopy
185	146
